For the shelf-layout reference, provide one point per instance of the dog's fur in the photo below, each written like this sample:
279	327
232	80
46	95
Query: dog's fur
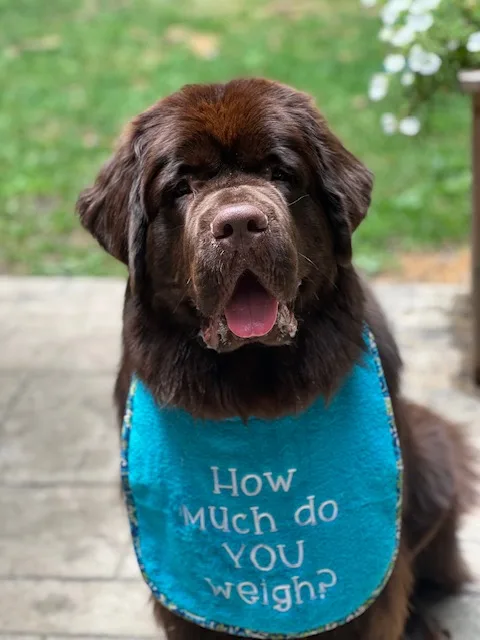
152	207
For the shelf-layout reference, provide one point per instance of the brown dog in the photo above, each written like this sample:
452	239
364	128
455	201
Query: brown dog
225	193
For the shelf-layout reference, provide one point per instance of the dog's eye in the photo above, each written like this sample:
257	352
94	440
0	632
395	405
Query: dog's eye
182	189
279	175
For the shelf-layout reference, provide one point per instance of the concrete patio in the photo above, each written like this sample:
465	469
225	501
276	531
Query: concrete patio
66	565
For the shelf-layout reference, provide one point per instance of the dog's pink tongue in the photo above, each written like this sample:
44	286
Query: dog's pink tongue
252	311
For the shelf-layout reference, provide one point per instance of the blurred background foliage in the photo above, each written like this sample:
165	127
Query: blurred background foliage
428	43
73	72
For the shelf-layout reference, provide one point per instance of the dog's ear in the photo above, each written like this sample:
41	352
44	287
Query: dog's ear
342	183
113	209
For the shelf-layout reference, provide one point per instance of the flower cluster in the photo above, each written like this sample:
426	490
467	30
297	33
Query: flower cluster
429	42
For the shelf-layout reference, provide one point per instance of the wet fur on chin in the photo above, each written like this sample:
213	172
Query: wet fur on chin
130	212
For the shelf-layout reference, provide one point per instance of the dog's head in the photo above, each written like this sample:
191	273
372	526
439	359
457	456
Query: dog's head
233	207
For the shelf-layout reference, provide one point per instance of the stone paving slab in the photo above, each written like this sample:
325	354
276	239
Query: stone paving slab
67	569
10	385
69	414
62	530
83	607
60	324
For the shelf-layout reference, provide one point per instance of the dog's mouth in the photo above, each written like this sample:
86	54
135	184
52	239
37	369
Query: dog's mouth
251	314
251	311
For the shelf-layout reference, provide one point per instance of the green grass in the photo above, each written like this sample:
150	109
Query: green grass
73	72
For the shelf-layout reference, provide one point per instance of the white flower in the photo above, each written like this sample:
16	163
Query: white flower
431	64
368	3
418	7
473	43
409	126
399	5
378	87
386	34
421	22
392	10
423	62
389	123
453	45
407	79
389	16
405	35
394	63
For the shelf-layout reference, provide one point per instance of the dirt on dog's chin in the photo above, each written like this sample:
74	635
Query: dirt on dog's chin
216	334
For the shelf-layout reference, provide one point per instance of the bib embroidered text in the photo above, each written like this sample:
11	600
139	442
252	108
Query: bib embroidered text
273	529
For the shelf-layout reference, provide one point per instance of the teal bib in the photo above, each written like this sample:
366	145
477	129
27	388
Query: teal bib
273	529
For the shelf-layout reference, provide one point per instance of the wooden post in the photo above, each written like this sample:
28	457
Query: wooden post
470	82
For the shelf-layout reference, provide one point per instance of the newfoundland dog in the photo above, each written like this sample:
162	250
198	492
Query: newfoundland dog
233	207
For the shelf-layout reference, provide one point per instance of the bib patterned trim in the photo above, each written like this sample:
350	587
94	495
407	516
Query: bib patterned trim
163	598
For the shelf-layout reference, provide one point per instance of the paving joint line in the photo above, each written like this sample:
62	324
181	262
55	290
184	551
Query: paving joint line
76	636
68	579
54	484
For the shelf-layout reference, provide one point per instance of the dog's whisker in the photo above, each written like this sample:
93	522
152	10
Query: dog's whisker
315	294
305	195
310	261
332	282
182	298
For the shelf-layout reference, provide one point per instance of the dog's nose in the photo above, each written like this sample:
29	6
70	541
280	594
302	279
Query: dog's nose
239	223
